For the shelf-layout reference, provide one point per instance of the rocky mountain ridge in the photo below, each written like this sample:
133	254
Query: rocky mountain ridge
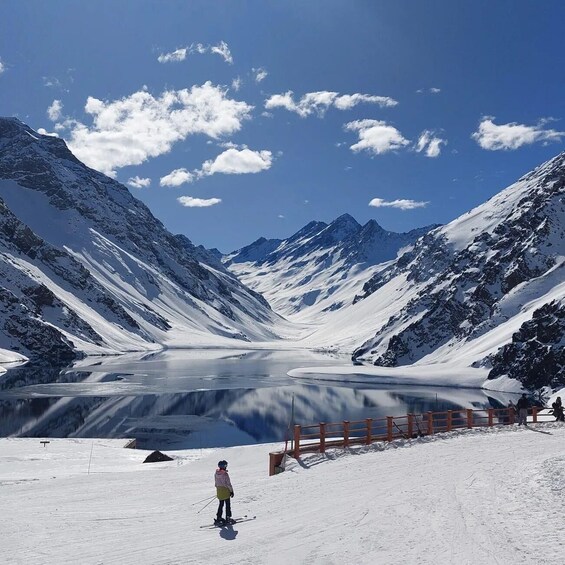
78	242
501	262
320	268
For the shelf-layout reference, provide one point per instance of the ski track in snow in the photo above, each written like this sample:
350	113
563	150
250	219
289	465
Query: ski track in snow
486	496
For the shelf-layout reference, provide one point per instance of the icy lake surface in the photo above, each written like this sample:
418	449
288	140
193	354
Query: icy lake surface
203	398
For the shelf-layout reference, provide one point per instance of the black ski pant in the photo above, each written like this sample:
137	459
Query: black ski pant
221	508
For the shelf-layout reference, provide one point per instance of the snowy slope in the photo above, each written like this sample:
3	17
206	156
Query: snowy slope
319	269
477	496
465	288
160	288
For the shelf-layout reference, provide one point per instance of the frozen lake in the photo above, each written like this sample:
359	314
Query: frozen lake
203	398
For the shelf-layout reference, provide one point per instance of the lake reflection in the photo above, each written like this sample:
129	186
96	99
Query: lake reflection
201	398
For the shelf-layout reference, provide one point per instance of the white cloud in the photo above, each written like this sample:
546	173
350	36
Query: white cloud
181	54
512	136
376	136
223	50
176	178
320	101
347	101
432	90
191	202
282	101
430	144
236	84
55	111
232	161
2	67
174	56
132	129
230	145
237	162
400	204
260	74
198	48
43	131
138	182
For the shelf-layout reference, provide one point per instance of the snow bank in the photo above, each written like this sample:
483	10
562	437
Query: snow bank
429	375
7	356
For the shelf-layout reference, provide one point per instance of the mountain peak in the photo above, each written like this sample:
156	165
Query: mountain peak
18	138
341	228
86	233
346	220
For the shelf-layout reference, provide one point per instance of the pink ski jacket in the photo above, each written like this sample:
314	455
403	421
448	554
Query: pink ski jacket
223	484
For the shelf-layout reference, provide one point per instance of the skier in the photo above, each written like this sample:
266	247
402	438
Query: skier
224	491
522	406
558	410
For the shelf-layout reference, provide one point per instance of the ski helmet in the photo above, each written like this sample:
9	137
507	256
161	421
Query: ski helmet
222	464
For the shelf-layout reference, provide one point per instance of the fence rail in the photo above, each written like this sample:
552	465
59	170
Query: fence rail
318	437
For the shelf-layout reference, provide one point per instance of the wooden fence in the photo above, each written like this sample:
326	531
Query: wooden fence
318	437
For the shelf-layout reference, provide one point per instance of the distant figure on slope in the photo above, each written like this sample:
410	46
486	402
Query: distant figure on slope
522	406
224	491
511	412
558	410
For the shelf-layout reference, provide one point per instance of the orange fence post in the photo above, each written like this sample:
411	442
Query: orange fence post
389	420
491	417
275	460
346	433
511	414
297	441
449	420
410	425
535	414
322	437
369	430
469	418
430	423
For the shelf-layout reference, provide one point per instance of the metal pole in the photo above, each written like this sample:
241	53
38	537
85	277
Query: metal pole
203	500
292	423
90	459
208	504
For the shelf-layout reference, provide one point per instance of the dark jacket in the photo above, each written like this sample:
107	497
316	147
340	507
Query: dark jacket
522	403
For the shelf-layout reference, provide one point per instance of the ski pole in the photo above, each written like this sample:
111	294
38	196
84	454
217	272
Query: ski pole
203	500
207	504
401	432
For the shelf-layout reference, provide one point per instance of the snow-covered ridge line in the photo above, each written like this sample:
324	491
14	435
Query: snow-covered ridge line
89	263
321	268
492	278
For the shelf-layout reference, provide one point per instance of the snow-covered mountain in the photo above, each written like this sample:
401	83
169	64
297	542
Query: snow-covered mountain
86	266
320	268
464	289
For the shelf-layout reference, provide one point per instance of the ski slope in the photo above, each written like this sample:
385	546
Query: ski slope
469	497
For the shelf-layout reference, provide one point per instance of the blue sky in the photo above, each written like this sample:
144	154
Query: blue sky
236	120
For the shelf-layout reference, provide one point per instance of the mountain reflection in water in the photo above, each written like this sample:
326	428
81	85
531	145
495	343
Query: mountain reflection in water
201	398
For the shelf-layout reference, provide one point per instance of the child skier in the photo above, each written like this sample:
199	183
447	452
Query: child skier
224	491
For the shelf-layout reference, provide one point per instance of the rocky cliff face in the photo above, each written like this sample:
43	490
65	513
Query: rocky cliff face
82	259
495	265
536	356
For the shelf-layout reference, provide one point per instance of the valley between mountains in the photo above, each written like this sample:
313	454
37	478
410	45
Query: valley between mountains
86	269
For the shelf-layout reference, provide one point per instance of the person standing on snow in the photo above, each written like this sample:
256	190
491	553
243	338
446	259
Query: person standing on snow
224	491
522	406
558	410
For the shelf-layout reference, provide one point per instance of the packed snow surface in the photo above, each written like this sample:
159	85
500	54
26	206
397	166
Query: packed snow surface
482	496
